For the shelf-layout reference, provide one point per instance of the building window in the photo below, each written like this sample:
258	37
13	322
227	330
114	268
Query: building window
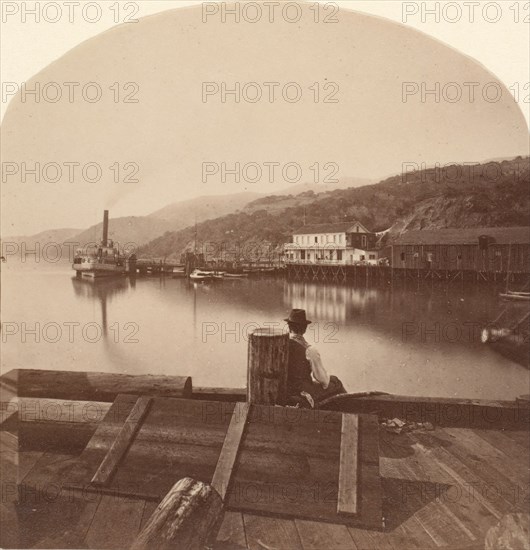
363	240
334	238
316	239
357	228
371	256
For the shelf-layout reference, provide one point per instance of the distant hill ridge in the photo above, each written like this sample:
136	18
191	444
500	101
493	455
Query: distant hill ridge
494	193
142	229
488	194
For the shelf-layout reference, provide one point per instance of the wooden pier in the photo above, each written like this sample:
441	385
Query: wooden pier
386	275
118	461
151	266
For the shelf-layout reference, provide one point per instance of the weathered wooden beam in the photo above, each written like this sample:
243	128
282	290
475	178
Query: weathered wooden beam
219	394
122	442
188	517
268	356
227	458
348	471
92	386
440	411
52	424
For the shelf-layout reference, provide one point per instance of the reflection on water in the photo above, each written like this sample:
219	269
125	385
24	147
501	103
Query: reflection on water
333	303
101	290
415	340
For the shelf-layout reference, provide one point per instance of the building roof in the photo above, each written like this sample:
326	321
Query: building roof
470	235
342	227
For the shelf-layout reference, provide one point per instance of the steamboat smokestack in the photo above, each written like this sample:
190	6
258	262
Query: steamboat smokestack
105	227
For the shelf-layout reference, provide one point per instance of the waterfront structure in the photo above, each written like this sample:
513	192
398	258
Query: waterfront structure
345	243
460	443
99	261
479	249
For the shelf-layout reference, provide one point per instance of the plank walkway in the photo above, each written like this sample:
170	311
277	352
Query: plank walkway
442	489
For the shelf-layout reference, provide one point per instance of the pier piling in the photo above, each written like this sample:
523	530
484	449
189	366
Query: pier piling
268	355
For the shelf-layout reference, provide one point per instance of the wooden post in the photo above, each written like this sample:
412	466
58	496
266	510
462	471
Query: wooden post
268	356
189	517
508	268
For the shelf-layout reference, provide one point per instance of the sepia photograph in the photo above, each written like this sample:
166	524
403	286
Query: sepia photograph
265	275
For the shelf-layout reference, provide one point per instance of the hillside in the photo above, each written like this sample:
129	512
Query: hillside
493	195
142	229
49	236
131	229
182	214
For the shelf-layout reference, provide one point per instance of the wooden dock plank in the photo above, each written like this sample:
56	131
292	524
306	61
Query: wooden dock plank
10	532
316	536
227	458
469	516
96	449
370	540
410	534
348	471
442	513
231	534
521	437
122	442
49	469
26	462
9	472
116	523
499	490
512	467
506	445
463	470
267	533
404	500
66	522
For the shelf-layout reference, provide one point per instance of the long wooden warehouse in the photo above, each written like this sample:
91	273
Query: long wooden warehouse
479	249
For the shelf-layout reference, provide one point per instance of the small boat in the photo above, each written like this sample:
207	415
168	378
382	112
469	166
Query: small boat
236	275
514	295
198	275
508	334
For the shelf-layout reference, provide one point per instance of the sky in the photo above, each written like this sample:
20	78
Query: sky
175	142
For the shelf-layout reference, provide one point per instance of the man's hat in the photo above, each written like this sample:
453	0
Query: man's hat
297	316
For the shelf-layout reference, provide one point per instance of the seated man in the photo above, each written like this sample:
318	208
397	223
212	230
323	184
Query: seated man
308	382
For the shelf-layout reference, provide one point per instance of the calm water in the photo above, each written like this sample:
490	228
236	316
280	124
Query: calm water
410	341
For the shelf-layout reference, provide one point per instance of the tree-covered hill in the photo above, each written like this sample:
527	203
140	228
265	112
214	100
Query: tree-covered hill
491	194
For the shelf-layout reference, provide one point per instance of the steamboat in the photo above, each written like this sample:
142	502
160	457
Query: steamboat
99	261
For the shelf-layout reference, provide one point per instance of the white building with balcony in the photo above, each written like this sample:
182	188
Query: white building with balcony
345	243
